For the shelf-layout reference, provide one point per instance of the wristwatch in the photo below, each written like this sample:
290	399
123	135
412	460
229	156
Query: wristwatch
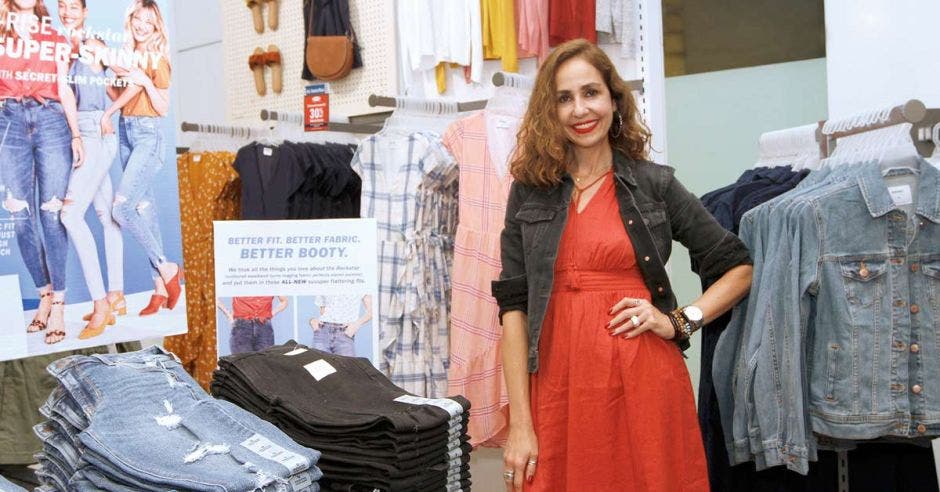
695	317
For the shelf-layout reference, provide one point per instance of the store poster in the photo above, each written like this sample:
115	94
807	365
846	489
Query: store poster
312	281
61	226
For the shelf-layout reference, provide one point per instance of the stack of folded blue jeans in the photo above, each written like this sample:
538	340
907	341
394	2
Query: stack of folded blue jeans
372	434
137	421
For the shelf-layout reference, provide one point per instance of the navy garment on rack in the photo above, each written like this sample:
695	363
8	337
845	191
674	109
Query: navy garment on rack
298	181
871	467
330	19
331	189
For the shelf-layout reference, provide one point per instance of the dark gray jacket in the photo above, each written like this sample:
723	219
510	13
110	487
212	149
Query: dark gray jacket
656	209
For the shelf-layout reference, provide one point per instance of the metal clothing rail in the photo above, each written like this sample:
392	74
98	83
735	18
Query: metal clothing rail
504	79
297	118
925	125
232	131
525	82
430	106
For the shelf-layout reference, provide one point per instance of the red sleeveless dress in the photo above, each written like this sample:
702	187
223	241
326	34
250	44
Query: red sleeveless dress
609	413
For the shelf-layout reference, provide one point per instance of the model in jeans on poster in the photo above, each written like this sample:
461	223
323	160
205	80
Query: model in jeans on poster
251	322
339	322
143	104
90	184
40	145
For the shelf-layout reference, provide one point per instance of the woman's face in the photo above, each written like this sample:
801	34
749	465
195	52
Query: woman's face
72	14
143	25
584	106
24	5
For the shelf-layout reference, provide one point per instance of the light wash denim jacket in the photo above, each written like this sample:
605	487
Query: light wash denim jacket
841	334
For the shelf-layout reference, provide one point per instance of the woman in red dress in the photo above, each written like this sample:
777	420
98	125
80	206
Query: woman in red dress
599	395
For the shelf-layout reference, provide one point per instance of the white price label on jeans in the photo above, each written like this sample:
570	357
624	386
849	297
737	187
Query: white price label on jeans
266	449
300	483
320	369
449	406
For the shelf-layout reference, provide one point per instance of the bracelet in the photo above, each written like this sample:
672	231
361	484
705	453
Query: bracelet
76	137
684	325
675	326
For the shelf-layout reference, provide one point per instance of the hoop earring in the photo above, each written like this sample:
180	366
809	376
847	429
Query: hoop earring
619	125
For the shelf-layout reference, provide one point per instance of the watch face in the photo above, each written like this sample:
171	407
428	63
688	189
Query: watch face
693	313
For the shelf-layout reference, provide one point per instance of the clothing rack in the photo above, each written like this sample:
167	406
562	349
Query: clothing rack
297	118
430	106
524	82
231	131
501	79
925	125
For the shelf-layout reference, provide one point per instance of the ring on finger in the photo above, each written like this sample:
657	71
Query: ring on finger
532	462
635	320
508	475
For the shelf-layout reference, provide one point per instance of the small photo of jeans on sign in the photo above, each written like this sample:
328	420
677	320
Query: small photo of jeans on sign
340	324
250	324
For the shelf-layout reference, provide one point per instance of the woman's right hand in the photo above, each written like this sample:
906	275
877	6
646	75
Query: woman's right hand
520	456
106	127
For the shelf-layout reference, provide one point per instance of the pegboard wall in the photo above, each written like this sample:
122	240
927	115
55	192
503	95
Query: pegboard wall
376	37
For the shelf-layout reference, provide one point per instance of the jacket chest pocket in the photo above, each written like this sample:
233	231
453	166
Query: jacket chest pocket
865	285
931	275
534	222
655	218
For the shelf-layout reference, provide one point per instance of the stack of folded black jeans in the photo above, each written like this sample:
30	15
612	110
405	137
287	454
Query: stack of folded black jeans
372	434
138	421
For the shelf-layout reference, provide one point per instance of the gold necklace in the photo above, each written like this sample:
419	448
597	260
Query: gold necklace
578	180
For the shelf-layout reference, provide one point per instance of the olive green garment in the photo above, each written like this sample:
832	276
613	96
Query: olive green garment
24	387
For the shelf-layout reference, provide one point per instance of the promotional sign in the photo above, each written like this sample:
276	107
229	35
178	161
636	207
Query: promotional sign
313	281
317	107
90	249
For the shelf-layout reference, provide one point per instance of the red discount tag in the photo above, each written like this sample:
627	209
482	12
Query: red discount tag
317	107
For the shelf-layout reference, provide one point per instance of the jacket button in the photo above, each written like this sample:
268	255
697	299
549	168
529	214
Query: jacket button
630	222
915	308
921	428
915	348
916	389
915	267
863	272
660	290
646	258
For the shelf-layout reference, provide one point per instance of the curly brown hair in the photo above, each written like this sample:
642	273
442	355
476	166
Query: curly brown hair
541	157
6	6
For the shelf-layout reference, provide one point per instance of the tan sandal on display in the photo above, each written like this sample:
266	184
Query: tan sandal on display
118	308
92	330
257	62
273	60
255	6
273	7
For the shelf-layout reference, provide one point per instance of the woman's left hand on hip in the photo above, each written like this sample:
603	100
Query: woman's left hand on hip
633	316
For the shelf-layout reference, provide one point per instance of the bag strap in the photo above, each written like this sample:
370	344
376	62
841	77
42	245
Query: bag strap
350	32
313	4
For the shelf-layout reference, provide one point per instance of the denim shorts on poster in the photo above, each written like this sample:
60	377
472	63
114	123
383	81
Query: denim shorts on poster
90	247
314	281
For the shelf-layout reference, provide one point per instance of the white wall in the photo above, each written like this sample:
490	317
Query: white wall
198	87
881	53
